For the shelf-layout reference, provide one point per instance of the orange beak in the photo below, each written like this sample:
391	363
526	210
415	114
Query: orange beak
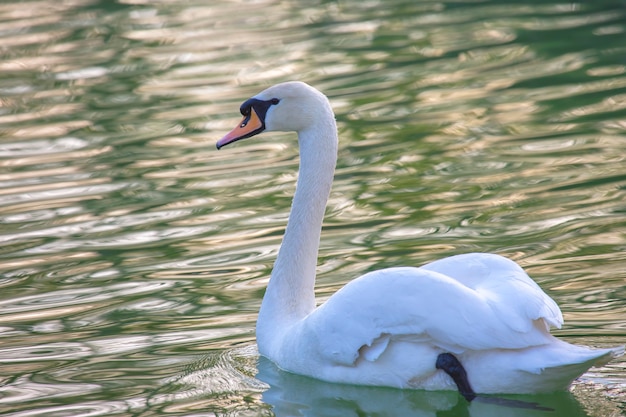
250	125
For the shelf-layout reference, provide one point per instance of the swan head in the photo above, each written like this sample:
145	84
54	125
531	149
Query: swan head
286	107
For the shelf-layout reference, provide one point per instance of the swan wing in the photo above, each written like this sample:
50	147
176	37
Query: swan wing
443	304
505	285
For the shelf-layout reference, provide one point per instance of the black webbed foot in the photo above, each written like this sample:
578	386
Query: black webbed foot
448	363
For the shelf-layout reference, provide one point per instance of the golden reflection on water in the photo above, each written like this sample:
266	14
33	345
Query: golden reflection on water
131	246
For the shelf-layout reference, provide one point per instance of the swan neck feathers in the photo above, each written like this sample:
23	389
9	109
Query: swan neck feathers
290	294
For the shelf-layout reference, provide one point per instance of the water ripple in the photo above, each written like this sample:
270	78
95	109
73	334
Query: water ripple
45	352
130	246
71	300
23	390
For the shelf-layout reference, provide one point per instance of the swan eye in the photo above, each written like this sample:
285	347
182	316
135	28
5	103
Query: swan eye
274	101
245	112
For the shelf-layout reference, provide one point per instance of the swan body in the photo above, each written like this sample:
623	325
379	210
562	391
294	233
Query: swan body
388	327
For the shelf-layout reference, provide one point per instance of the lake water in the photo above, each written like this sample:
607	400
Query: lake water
134	256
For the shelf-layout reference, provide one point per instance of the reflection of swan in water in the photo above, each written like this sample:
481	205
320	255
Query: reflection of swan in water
476	321
295	395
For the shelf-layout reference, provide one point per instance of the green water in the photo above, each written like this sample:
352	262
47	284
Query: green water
134	256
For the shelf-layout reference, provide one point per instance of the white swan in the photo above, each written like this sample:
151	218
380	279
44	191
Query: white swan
399	327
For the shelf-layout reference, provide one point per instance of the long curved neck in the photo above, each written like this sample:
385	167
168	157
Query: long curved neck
290	293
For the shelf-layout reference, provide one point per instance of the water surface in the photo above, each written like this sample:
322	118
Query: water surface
134	256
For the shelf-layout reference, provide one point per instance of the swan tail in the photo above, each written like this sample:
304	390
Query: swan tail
615	352
559	376
547	368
